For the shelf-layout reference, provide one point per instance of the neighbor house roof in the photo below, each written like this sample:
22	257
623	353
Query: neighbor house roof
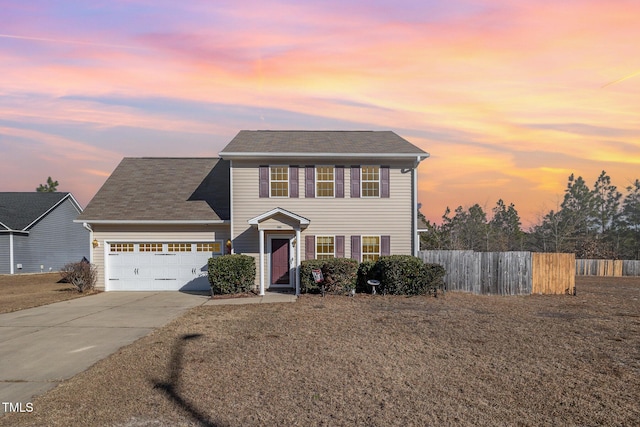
296	143
19	211
162	190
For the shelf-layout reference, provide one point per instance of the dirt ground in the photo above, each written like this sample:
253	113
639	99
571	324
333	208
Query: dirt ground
20	291
373	361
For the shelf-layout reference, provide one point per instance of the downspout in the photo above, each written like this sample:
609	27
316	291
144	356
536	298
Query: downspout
416	237
11	270
88	227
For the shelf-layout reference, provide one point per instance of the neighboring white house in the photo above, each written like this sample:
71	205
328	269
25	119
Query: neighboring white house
280	196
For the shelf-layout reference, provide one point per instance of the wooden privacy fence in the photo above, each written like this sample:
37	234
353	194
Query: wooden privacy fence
505	273
607	267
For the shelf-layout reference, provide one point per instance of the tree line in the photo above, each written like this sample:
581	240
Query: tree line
597	222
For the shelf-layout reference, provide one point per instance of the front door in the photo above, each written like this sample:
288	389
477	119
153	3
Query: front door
280	262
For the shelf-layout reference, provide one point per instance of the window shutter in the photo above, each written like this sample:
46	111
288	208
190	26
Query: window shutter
309	247
309	182
384	181
263	187
339	246
339	170
293	181
385	245
355	181
356	249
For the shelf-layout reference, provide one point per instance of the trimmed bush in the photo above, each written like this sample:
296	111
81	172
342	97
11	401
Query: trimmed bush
366	271
405	275
82	275
307	284
232	274
339	275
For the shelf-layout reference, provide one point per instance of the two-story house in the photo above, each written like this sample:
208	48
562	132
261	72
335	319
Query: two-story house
280	196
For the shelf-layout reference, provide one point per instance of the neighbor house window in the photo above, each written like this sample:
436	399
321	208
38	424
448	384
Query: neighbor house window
279	181
325	181
214	247
370	248
325	247
179	247
121	247
370	181
150	247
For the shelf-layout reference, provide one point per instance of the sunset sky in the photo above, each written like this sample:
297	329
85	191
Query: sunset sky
509	97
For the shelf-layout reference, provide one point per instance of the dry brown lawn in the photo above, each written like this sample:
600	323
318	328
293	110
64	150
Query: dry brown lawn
20	291
373	361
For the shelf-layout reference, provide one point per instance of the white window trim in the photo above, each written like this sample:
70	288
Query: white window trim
362	181
333	181
271	196
334	245
379	253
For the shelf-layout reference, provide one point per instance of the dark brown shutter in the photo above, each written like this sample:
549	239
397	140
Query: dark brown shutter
309	247
310	182
356	249
339	181
339	246
293	181
264	181
384	181
355	181
385	245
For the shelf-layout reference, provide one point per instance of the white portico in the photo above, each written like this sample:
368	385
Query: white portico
279	253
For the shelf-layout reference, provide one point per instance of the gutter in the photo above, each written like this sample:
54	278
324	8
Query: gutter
151	222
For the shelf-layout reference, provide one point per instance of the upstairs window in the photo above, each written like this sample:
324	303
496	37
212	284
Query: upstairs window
279	181
325	181
370	181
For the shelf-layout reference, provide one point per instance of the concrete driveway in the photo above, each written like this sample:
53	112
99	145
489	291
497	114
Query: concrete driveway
42	346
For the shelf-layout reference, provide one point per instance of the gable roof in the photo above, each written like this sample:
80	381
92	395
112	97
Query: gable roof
19	211
295	143
163	190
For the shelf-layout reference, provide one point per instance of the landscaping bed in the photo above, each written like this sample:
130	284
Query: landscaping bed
20	291
373	361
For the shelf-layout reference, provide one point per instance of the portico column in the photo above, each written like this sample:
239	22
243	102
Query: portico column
298	261
261	231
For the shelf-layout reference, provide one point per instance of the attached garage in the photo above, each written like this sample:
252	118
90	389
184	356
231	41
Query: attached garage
159	266
156	222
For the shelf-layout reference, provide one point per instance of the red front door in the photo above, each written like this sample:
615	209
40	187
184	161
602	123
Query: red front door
280	261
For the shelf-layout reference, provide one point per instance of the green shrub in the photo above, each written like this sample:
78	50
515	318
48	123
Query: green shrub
307	283
435	278
407	275
82	275
366	271
232	274
339	275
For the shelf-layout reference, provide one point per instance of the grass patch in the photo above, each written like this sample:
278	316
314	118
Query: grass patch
375	361
20	291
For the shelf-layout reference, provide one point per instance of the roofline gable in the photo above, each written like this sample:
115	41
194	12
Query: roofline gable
67	196
258	219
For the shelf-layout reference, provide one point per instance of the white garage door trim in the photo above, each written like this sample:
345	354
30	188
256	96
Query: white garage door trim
158	268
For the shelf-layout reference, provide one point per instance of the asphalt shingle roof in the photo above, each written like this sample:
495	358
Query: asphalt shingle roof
19	209
163	189
339	142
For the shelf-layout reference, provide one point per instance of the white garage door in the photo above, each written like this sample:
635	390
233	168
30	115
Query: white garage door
175	266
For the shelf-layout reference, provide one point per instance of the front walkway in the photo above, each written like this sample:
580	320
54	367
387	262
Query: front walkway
269	297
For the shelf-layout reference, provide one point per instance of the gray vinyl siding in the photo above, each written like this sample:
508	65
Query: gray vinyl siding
5	268
52	242
340	216
150	233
